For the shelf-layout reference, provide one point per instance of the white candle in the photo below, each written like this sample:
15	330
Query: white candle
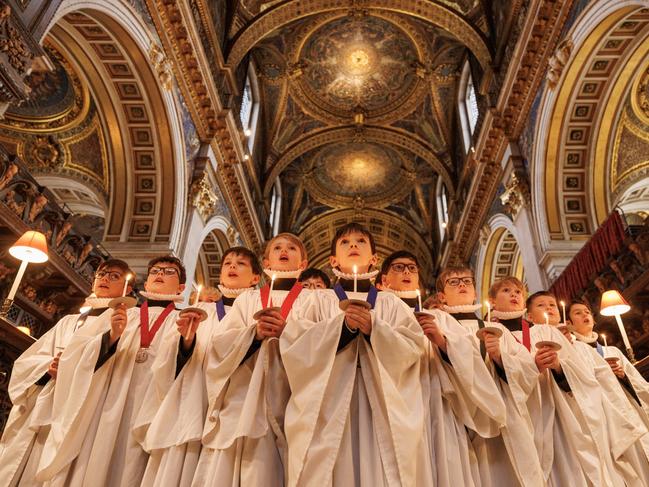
625	338
198	294
547	318
419	299
563	307
19	277
272	283
355	268
488	311
128	278
605	345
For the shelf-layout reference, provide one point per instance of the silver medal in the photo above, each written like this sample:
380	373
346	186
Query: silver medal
141	355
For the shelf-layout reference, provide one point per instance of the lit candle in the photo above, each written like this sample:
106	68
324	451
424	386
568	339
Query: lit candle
18	278
547	318
605	345
272	283
625	338
488	311
563	307
198	294
355	268
128	278
419	299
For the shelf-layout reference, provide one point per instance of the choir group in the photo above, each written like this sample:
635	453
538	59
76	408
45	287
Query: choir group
300	384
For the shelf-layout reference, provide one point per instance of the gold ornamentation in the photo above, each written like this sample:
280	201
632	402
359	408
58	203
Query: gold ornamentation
516	195
641	104
559	61
12	42
203	198
44	152
161	66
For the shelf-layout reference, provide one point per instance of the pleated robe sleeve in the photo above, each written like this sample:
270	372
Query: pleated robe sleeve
473	395
78	392
322	381
177	416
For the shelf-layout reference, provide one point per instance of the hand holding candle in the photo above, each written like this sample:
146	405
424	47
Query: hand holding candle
128	278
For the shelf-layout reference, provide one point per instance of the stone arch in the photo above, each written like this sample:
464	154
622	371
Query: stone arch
436	13
590	76
499	255
369	133
122	62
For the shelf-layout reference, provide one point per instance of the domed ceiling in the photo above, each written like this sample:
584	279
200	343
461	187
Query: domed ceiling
359	117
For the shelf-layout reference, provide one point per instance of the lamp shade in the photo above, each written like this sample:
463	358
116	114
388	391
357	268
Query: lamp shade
613	304
31	247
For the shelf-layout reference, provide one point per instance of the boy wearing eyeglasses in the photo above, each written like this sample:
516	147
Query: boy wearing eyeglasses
509	457
34	374
451	359
352	356
173	434
105	373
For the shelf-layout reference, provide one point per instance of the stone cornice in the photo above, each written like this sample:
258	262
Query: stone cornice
180	38
535	45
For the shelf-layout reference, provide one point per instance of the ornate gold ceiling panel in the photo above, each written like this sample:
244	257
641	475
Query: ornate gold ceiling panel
341	175
381	135
282	14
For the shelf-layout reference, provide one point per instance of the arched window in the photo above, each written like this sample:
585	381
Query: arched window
468	106
275	207
442	209
249	112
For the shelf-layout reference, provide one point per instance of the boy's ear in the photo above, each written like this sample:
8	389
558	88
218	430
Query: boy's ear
441	297
255	280
304	264
374	260
265	262
181	288
333	262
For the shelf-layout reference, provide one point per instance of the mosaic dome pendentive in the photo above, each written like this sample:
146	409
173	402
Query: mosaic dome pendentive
358	64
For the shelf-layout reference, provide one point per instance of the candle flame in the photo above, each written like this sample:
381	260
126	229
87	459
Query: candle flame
355	268
418	292
272	278
563	303
129	276
488	304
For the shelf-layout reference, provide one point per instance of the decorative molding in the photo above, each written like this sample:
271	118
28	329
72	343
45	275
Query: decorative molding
516	195
203	198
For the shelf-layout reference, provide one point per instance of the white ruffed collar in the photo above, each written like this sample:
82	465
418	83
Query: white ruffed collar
350	277
592	338
228	292
463	308
176	298
508	315
402	294
94	302
283	274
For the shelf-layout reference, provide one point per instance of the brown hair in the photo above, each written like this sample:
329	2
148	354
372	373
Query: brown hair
248	254
118	263
575	302
291	238
449	271
499	284
538	294
348	228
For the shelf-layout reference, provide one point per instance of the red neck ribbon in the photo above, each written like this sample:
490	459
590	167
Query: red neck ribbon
147	334
267	301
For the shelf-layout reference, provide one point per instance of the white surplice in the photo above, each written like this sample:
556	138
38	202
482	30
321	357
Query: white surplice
91	441
30	417
355	416
243	438
171	427
580	429
633	464
459	393
510	459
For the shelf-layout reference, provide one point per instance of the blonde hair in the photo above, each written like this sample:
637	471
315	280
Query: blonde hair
291	238
499	284
206	291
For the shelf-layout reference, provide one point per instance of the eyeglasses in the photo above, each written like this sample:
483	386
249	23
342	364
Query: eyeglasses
112	275
167	271
412	268
455	281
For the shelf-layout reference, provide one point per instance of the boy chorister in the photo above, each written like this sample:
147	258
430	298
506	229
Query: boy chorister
587	432
33	378
172	431
355	416
458	392
103	376
243	438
